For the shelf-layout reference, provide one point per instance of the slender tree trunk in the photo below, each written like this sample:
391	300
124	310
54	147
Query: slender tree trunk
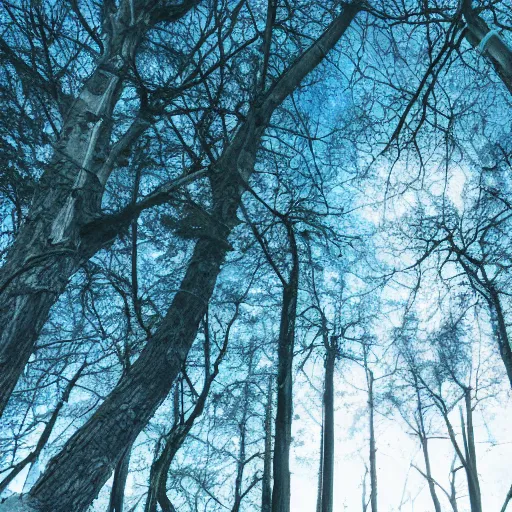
453	489
283	436
428	472
373	449
321	465
475	497
157	493
424	446
119	484
74	477
241	459
508	498
159	472
266	484
328	435
364	503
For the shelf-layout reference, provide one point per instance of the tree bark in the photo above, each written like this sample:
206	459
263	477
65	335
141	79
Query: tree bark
116	503
49	248
283	428
475	497
328	432
496	50
266	492
75	475
373	449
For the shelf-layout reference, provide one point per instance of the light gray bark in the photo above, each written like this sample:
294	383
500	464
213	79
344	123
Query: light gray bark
494	47
50	247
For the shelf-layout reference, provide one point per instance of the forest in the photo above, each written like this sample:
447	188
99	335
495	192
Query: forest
255	255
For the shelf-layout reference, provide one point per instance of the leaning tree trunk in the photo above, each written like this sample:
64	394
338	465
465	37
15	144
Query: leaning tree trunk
500	329
49	248
475	496
75	475
328	432
116	503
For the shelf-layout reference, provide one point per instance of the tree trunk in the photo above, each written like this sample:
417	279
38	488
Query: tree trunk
283	428
508	498
266	492
49	247
241	456
157	492
500	330
424	447
320	468
94	450
75	475
328	434
119	484
495	48
475	497
373	449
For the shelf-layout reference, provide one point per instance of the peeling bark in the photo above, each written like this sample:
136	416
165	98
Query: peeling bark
488	42
49	248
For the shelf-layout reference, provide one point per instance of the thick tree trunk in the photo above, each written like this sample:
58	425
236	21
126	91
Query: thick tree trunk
266	483
75	476
488	42
49	247
94	450
328	433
